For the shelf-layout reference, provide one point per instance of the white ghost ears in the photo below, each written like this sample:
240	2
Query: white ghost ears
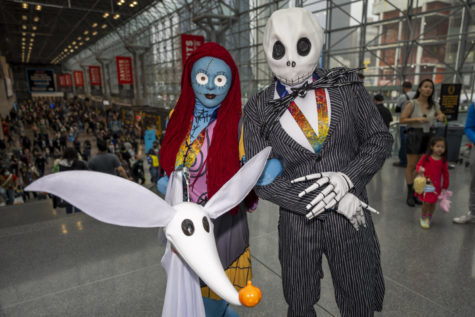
293	41
108	198
237	188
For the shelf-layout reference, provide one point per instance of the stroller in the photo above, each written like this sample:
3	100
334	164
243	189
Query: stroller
464	156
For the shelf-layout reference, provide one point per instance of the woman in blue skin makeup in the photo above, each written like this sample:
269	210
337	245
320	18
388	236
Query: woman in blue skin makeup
203	135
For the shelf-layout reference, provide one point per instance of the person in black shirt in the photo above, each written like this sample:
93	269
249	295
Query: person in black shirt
385	113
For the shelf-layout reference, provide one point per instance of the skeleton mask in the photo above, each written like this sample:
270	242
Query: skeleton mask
293	40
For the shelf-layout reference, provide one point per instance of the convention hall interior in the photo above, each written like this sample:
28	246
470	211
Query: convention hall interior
76	75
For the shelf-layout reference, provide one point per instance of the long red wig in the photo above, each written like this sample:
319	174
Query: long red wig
223	154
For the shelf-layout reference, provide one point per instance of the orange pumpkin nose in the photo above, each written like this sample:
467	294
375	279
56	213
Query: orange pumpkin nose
250	295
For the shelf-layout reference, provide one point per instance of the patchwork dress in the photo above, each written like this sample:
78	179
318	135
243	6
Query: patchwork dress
231	229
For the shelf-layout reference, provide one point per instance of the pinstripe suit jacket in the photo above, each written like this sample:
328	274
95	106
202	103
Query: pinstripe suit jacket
357	144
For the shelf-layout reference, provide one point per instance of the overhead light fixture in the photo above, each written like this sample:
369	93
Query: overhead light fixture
94	33
86	32
23	33
76	47
38	7
116	16
131	5
104	26
33	34
81	43
94	25
120	3
24	5
24	27
74	42
34	27
105	15
65	49
36	19
23	39
71	50
69	46
79	38
24	17
86	38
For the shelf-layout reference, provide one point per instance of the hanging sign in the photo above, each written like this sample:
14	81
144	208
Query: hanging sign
62	81
124	70
78	78
68	80
189	43
95	75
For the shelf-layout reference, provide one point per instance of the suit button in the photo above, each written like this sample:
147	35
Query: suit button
319	158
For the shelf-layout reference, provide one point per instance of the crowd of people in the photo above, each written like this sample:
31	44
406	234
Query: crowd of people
50	135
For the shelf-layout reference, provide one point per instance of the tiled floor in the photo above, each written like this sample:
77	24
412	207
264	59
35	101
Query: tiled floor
72	265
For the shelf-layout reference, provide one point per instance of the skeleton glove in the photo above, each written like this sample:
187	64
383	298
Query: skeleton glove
352	208
337	185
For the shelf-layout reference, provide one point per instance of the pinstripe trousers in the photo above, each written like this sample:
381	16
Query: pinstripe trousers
353	258
357	145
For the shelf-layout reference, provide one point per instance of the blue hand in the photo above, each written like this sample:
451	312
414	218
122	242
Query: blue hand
271	171
162	185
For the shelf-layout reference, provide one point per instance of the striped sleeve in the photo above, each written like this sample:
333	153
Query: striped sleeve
280	191
375	141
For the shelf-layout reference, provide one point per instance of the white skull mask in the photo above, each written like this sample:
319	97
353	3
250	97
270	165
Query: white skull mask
293	40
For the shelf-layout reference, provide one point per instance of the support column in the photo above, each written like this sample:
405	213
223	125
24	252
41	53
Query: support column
106	87
137	53
87	86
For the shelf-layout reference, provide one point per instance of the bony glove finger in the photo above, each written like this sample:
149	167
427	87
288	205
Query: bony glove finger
368	207
354	222
320	196
316	210
361	218
330	197
316	185
309	177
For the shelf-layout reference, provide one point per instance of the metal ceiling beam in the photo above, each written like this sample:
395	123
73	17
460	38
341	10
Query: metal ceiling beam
69	6
73	29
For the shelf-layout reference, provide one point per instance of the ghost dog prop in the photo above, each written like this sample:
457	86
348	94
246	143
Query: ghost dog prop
187	226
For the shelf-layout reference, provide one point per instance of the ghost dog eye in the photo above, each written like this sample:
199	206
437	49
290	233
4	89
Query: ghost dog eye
202	78
220	80
303	46
206	224
278	51
188	227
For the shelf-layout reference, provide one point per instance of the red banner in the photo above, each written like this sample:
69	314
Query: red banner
95	75
189	43
68	80
124	70
78	78
62	80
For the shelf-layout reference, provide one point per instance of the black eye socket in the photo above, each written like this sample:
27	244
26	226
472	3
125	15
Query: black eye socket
278	51
187	227
303	46
206	224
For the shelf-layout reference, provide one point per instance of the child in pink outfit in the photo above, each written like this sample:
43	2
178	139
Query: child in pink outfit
434	166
